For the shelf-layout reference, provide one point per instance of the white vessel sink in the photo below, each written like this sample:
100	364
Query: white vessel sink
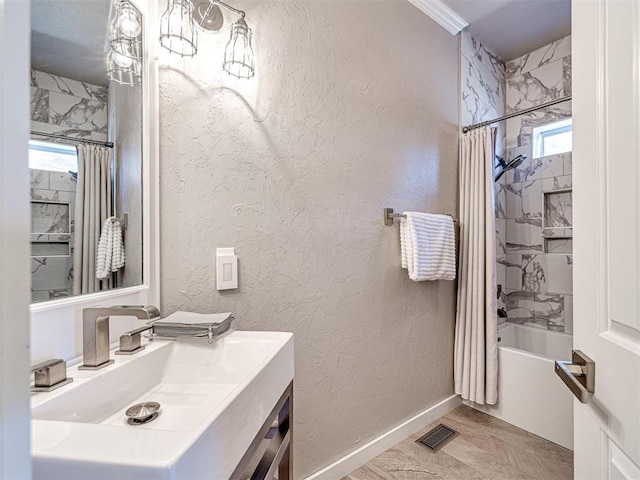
214	398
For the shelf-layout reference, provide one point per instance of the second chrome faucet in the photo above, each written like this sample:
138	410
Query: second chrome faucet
95	331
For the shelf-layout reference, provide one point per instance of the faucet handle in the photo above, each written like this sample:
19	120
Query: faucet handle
130	341
50	375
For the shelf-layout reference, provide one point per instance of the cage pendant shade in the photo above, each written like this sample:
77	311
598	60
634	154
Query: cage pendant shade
177	29
124	69
238	54
125	55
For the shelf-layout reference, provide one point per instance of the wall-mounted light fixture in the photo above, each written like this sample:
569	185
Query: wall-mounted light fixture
125	53
177	30
178	33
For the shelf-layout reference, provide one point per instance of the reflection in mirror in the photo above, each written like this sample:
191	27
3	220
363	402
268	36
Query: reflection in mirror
85	152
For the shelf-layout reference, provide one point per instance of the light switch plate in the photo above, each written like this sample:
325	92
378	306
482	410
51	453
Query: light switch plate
226	268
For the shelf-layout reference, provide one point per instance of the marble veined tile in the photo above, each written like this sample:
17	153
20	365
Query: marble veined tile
558	245
524	235
513	127
551	309
521	308
55	83
514	198
558	272
500	199
39	104
39	178
566	75
558	209
51	273
49	249
501	236
100	137
557	232
533	277
557	50
568	160
53	195
535	87
47	217
68	86
558	183
482	82
63	181
60	130
513	271
51	237
532	199
79	113
501	271
538	168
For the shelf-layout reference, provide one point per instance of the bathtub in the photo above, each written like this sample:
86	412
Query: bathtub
530	395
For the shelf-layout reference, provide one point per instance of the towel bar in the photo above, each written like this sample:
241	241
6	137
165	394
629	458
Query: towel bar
389	216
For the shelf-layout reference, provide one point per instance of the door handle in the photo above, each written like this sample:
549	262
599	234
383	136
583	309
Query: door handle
579	374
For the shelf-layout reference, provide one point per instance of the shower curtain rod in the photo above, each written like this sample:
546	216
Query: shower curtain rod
75	139
515	114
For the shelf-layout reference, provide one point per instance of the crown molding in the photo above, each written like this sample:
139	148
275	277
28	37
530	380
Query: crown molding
442	14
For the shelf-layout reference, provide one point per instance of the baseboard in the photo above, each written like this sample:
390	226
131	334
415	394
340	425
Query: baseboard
375	447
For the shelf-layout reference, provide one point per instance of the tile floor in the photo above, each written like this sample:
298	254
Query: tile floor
487	448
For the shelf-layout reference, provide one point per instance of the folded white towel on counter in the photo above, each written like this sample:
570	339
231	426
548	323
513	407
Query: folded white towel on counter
189	318
428	246
110	255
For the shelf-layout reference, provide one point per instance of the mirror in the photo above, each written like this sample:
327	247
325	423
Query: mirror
85	152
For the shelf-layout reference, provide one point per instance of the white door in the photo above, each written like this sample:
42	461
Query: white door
606	168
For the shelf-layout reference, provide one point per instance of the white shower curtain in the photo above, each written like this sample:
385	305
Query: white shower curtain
476	343
93	207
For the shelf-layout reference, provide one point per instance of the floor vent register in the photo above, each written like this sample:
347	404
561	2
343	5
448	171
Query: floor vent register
437	438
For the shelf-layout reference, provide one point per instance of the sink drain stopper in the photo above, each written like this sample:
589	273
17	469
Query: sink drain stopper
142	413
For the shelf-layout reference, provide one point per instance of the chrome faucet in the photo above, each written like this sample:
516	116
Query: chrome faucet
95	331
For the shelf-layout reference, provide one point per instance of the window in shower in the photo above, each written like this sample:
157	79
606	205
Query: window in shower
53	157
552	138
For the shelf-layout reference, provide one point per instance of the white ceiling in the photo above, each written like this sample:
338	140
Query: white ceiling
68	38
511	28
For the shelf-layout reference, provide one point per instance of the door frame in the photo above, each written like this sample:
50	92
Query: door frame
15	435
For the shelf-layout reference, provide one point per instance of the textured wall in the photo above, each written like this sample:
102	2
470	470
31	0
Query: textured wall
354	108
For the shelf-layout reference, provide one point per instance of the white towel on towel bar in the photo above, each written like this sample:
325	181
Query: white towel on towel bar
428	246
110	254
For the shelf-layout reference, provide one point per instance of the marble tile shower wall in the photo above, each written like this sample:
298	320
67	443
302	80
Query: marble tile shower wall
68	107
53	196
483	82
483	98
65	107
537	258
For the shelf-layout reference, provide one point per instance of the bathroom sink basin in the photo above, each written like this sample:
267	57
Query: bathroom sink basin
213	400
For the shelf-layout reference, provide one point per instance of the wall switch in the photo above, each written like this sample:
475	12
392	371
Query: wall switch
226	268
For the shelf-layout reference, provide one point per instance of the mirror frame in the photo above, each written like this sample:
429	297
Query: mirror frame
62	318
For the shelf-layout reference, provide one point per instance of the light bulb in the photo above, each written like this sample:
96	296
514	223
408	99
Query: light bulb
122	60
128	22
